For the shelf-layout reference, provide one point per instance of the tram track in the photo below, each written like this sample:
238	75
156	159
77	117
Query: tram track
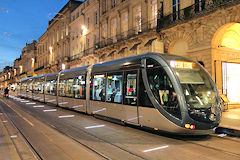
189	140
209	147
30	146
82	143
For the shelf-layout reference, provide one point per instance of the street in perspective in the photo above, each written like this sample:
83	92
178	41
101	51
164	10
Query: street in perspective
119	80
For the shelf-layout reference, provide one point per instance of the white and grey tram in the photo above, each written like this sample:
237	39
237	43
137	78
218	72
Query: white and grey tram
158	91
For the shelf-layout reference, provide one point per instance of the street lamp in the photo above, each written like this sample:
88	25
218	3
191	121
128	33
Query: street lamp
32	62
63	66
21	68
50	49
84	30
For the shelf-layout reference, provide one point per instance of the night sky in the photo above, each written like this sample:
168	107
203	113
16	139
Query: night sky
21	22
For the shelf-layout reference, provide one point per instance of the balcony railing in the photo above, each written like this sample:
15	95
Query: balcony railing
22	73
191	12
86	52
39	68
150	25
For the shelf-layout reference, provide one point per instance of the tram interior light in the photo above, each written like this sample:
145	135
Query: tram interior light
181	64
99	76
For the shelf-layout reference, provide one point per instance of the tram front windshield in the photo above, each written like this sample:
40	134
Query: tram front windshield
197	85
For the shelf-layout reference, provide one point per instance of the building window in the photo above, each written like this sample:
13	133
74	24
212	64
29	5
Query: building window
105	31
176	8
138	19
88	43
124	22
114	27
114	3
154	12
96	18
104	4
88	20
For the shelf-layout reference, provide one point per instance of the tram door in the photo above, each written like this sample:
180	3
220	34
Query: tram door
130	97
231	85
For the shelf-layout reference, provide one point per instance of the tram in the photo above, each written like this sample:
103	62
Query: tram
158	91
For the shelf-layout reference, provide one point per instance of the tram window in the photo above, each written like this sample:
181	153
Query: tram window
131	88
79	87
51	87
144	100
38	87
29	87
61	91
163	90
98	88
114	88
69	88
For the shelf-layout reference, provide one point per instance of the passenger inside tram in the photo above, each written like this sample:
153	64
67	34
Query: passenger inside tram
162	89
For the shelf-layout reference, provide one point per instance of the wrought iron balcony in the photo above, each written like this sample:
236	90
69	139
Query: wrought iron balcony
133	32
86	52
191	12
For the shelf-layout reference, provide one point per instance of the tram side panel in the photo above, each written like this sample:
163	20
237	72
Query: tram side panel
38	89
107	97
72	91
51	91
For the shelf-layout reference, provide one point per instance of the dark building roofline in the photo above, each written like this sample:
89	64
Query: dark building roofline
67	5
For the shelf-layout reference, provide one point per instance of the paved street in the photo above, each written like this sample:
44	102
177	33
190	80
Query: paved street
64	134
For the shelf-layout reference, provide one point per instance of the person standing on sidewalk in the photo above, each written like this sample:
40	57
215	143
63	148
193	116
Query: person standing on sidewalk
6	91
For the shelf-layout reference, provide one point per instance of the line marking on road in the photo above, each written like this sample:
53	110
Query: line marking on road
97	126
30	103
24	101
222	135
63	103
154	149
49	110
66	116
14	136
77	106
39	106
52	100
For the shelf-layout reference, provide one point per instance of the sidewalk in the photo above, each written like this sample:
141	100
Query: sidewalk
231	119
7	147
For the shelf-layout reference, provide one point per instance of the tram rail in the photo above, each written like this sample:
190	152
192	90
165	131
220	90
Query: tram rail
181	138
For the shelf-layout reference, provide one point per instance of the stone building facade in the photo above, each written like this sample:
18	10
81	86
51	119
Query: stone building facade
85	33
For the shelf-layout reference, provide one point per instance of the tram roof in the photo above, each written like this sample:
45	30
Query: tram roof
74	72
123	63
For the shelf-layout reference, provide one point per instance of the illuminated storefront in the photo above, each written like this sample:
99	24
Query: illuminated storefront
231	81
228	49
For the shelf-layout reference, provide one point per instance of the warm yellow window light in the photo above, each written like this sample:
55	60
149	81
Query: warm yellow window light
231	37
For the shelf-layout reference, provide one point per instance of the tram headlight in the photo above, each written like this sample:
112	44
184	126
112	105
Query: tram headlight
187	125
